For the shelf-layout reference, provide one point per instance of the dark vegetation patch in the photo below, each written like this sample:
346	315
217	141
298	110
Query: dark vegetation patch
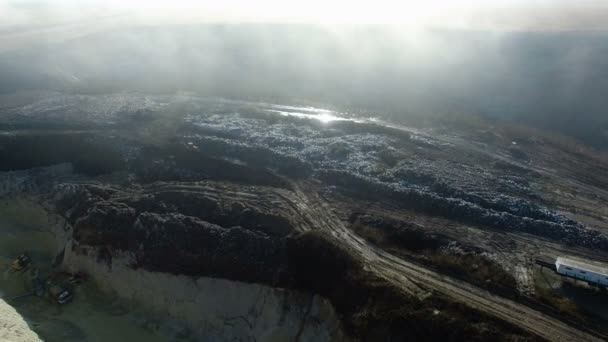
574	301
255	156
183	162
431	249
90	155
183	245
180	244
563	305
227	241
404	235
476	269
207	209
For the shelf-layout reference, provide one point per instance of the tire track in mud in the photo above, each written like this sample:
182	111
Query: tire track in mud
264	199
420	281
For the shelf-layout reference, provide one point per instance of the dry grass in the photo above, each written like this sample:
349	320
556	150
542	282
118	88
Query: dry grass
476	269
563	305
426	248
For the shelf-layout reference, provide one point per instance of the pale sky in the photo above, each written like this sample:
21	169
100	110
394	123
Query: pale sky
32	22
473	14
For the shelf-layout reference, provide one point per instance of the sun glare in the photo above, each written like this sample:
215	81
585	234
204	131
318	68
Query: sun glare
390	12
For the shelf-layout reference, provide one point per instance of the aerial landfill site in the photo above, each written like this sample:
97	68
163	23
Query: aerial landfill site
217	220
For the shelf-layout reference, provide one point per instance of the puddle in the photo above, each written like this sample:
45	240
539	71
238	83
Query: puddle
92	316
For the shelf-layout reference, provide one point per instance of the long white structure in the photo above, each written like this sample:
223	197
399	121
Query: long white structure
579	270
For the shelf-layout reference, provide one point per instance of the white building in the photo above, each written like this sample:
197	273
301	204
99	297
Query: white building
592	274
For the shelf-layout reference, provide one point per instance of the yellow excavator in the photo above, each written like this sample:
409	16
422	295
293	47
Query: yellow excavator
21	264
53	287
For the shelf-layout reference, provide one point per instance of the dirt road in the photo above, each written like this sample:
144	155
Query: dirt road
308	210
421	281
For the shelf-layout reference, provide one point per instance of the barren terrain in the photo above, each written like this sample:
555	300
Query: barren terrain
407	230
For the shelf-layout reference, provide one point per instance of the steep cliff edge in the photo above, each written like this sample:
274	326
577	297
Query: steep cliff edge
215	309
254	262
220	275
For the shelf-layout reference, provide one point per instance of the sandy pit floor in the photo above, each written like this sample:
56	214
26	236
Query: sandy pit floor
93	315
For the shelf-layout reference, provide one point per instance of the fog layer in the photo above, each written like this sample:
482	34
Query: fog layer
557	80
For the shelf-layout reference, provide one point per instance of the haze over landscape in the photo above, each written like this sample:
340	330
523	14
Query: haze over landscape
541	62
304	170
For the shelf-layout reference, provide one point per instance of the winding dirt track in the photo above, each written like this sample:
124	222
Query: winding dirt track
420	281
305	205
